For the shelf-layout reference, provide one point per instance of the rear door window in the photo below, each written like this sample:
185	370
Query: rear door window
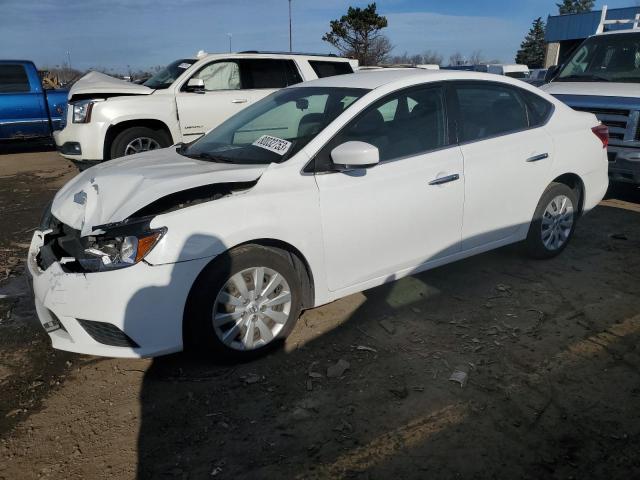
489	110
329	69
13	79
269	73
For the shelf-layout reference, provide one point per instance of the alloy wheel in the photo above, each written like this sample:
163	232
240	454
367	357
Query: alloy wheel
141	144
557	222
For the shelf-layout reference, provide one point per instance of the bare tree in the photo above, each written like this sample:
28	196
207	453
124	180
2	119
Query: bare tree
456	59
476	57
378	52
431	57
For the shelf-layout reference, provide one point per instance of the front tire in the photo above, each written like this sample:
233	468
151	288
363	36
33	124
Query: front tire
137	140
244	304
553	222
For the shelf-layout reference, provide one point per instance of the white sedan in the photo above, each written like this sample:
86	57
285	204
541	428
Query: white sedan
316	192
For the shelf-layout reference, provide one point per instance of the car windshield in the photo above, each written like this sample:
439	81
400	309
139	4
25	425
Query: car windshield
275	128
604	58
165	77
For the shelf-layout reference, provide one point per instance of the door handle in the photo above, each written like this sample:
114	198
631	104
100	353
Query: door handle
239	100
537	158
447	179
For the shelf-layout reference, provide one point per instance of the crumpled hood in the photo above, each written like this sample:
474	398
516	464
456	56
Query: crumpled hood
598	89
114	190
96	82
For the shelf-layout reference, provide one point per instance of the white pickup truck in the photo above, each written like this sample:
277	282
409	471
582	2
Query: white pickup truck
602	76
109	118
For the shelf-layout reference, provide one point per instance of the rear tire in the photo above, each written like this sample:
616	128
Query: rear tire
232	314
553	222
137	140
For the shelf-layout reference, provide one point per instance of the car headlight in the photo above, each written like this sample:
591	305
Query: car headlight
107	252
82	111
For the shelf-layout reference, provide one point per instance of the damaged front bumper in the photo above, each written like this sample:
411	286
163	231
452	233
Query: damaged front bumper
131	312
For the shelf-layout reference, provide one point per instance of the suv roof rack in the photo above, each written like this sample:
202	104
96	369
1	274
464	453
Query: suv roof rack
634	22
291	53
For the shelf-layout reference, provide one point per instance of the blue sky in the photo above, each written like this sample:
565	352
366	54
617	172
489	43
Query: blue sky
143	33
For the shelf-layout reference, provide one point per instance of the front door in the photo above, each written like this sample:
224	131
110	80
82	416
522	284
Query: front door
23	113
406	210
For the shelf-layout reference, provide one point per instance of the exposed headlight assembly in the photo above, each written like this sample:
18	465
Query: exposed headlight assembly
119	249
82	110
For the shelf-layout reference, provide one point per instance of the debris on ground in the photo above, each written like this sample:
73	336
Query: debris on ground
364	348
250	378
618	236
388	326
399	392
337	369
460	375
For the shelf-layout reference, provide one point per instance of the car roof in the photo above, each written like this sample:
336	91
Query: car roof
257	54
372	79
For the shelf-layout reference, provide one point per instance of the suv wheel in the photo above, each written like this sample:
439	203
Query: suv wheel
137	140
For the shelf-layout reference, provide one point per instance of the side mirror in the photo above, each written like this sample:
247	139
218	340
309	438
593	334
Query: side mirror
195	85
354	155
551	72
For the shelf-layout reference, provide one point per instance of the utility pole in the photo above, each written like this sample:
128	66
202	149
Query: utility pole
229	35
290	42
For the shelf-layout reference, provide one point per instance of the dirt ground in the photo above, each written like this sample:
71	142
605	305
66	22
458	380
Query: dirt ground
550	349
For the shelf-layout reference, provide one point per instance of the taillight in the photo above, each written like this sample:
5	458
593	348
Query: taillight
602	132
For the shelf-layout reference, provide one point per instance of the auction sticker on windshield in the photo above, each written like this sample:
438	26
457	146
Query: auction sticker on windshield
273	144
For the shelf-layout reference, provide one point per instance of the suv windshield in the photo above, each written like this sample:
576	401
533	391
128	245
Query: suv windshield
604	58
165	77
275	128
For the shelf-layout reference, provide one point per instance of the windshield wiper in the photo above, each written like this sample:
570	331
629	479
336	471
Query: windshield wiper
584	78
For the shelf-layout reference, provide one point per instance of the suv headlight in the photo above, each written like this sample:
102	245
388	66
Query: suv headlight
108	252
82	111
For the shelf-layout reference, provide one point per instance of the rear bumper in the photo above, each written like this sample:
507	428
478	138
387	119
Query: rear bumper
132	312
624	164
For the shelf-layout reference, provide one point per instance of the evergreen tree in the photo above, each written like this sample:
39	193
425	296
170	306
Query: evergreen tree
575	6
531	51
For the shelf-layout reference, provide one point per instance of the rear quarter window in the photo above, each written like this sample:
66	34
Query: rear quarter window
269	73
329	69
13	79
538	108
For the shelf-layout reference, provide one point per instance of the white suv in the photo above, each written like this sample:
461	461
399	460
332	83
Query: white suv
318	191
109	118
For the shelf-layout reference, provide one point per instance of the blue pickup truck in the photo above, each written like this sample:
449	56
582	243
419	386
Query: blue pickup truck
27	110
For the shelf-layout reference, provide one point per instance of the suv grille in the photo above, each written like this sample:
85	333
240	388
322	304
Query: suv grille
107	334
615	119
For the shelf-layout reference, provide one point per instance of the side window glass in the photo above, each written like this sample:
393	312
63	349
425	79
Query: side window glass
396	131
329	69
13	79
269	73
220	76
489	110
538	109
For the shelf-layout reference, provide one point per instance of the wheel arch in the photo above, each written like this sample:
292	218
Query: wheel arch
116	128
300	263
575	183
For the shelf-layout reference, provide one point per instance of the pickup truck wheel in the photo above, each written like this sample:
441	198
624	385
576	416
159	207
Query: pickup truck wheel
553	222
244	303
137	140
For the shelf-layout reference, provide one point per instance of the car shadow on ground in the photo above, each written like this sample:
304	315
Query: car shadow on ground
547	351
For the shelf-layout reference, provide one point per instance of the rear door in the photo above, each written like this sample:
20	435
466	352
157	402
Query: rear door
507	158
406	210
23	113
